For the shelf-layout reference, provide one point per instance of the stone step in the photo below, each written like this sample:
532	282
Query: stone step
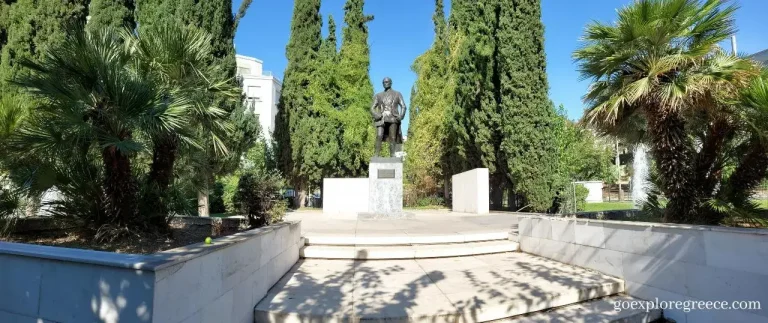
601	310
408	251
459	289
391	240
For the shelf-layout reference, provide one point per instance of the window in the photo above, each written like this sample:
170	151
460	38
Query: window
243	71
252	92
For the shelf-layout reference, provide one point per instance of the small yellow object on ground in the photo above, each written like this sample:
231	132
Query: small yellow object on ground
208	240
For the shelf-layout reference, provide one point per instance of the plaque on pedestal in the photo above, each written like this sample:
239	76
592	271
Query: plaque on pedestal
385	180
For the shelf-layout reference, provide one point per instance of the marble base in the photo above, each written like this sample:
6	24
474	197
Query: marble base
385	180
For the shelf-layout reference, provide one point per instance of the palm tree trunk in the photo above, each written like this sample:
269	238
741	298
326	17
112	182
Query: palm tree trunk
160	178
119	186
707	174
673	152
163	160
750	172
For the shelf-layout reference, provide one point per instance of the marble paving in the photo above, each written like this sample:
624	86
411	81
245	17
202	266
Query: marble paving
473	288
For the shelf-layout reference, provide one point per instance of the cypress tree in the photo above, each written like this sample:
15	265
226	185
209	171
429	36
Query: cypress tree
302	53
476	114
319	157
527	116
111	14
427	131
502	119
29	27
356	90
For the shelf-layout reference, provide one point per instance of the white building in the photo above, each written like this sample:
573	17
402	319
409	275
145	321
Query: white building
262	91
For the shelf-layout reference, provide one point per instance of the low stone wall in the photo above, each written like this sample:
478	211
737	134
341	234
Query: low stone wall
221	282
662	261
207	226
470	193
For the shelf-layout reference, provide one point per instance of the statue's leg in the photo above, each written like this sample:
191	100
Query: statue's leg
379	138
392	139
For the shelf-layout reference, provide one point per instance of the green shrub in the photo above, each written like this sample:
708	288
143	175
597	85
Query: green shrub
230	187
430	201
258	197
567	200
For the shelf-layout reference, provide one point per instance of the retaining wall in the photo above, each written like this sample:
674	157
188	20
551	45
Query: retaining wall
221	282
665	261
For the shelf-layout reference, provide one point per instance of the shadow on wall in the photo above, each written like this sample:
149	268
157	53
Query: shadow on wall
62	291
660	261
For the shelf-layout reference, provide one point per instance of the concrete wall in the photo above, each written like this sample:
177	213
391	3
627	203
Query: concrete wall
664	261
470	191
221	282
345	195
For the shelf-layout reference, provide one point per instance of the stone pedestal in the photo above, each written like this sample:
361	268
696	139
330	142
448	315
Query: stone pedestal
385	182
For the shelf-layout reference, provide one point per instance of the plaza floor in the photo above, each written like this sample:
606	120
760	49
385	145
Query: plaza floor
468	289
477	286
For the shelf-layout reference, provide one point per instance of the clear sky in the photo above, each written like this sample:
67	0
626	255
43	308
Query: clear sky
402	30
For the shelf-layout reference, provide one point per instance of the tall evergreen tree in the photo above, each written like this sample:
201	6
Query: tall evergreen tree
111	14
28	27
502	117
475	111
302	53
319	153
430	98
356	90
528	118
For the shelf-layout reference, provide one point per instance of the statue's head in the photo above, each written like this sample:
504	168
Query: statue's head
387	83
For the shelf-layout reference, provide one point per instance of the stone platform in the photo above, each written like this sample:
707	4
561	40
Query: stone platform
420	224
440	266
461	289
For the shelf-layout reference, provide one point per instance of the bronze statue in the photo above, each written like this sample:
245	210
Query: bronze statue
387	117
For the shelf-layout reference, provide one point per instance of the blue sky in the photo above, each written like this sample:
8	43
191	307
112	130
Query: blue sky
402	30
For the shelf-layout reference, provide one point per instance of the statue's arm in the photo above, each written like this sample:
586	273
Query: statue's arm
374	113
405	108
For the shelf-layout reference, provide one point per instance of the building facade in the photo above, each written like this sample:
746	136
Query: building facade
262	92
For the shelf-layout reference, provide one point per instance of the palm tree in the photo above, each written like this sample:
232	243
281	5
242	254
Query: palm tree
181	60
660	63
93	105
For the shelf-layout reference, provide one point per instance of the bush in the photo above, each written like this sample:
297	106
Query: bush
430	201
258	197
567	200
230	188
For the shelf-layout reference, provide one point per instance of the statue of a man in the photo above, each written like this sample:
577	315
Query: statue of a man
387	116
